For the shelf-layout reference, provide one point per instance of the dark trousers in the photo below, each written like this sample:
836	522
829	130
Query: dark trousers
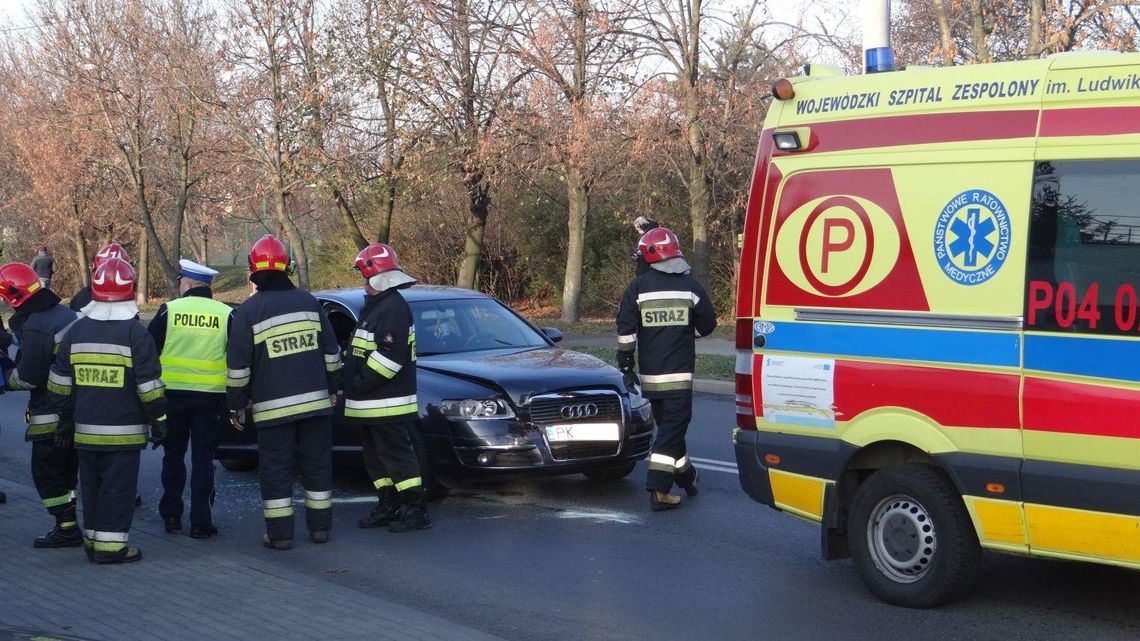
194	420
669	460
390	459
108	485
280	448
54	472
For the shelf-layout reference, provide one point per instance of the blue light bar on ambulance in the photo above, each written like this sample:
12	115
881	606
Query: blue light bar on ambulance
879	59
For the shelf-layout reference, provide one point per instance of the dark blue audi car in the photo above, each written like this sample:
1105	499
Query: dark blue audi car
497	396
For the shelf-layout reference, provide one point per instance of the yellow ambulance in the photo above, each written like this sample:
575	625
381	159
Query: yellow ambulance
938	317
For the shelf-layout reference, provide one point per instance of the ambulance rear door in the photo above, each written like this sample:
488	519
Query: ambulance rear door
1081	392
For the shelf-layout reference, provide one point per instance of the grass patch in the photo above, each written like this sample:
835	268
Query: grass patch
725	327
710	366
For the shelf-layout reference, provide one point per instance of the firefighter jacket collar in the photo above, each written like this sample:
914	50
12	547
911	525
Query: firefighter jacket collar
676	265
100	311
390	280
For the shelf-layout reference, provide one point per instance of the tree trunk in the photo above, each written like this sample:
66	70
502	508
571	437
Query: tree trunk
944	29
478	207
981	48
348	221
384	232
699	207
700	197
141	294
81	251
1036	43
578	196
294	236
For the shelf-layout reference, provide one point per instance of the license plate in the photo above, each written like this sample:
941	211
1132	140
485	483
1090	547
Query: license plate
582	432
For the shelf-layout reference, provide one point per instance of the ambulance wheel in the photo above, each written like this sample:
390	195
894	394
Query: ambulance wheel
239	464
910	537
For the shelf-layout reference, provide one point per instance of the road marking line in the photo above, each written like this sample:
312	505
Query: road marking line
354	499
712	461
713	468
601	516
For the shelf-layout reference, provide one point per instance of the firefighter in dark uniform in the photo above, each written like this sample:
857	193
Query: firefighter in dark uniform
380	392
82	298
40	323
107	374
661	312
283	369
190	333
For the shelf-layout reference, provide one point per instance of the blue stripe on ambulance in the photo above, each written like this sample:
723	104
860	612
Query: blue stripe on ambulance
992	349
1095	357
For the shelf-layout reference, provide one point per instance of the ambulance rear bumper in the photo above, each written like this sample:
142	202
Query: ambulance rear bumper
752	473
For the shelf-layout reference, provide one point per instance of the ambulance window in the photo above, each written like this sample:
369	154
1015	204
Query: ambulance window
1084	248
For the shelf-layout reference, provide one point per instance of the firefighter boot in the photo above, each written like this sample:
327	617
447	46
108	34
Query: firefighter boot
386	511
3	497
660	501
691	487
65	534
413	512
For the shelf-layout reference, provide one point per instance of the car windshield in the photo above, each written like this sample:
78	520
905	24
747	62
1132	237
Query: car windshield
469	325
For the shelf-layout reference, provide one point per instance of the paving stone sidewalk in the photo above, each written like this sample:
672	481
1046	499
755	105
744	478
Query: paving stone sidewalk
180	591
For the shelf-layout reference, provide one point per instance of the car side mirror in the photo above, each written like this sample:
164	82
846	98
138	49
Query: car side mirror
553	333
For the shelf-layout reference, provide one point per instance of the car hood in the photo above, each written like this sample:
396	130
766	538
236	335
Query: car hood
524	372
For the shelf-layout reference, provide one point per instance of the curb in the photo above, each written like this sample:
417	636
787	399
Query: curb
710	386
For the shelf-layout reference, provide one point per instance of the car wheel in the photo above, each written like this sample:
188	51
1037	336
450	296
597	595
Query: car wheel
910	537
239	464
610	473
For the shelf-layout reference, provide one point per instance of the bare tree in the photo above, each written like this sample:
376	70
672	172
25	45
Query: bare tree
583	52
463	93
266	106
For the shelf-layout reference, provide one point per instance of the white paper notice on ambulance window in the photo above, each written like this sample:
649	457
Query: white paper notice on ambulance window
799	391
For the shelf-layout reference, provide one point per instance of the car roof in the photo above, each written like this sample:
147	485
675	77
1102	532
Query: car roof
353	297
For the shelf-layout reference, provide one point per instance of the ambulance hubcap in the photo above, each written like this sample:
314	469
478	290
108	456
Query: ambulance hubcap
901	538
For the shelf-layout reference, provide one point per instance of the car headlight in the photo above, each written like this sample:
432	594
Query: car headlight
475	409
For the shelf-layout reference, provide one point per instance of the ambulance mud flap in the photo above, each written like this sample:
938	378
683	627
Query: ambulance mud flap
833	530
751	472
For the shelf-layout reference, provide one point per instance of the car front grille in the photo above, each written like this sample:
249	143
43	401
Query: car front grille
572	451
549	410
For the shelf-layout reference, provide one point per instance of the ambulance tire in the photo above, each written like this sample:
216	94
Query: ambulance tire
928	553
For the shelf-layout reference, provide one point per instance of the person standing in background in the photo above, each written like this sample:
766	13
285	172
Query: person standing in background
44	266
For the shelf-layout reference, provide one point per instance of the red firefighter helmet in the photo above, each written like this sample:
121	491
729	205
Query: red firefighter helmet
268	254
659	244
113	250
376	258
17	283
113	282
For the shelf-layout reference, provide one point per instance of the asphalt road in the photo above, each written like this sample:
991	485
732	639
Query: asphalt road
565	559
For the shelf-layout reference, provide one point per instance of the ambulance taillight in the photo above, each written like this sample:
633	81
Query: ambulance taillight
745	409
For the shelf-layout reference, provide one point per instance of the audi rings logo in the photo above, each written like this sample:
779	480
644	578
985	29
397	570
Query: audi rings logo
579	411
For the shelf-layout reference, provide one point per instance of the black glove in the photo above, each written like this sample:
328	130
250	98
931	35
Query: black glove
157	433
237	419
632	382
65	434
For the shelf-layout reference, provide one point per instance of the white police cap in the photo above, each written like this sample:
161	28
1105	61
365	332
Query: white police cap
194	271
